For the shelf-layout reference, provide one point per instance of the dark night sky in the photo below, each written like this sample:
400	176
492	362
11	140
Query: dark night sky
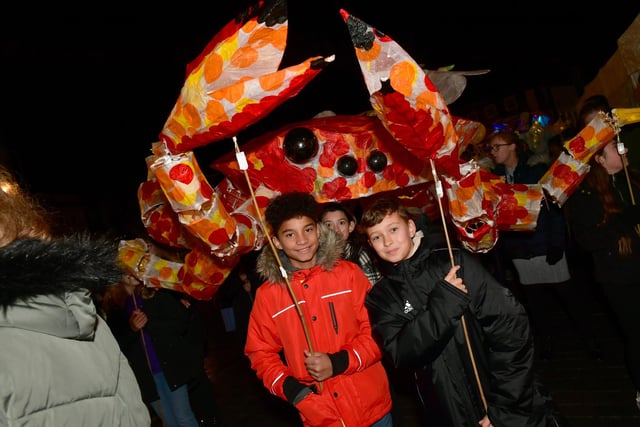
86	92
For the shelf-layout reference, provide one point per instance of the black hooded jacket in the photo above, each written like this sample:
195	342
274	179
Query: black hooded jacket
417	318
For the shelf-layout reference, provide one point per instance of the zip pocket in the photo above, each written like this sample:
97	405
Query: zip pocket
334	318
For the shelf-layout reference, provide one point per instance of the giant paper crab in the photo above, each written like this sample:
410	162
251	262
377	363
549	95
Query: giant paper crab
409	136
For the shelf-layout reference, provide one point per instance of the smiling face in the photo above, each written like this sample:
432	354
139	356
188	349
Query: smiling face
299	239
392	238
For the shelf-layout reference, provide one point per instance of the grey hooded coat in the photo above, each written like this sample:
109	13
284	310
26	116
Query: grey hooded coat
59	364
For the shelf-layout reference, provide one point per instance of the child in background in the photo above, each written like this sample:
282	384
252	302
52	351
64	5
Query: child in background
337	217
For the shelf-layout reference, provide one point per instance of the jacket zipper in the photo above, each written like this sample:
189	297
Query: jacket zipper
334	319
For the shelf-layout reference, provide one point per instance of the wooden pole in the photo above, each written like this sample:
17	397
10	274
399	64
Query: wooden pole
242	162
440	194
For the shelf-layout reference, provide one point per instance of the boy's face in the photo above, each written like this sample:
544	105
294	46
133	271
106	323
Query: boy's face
299	239
392	238
338	221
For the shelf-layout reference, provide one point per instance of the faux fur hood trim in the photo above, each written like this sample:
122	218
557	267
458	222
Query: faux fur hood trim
36	267
330	250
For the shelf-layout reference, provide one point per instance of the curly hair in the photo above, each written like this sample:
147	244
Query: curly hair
21	216
295	204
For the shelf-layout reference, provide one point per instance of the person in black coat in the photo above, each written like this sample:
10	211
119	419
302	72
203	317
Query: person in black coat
540	256
484	378
171	355
604	215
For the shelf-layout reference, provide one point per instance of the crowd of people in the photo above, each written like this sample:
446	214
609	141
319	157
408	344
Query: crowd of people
325	312
538	258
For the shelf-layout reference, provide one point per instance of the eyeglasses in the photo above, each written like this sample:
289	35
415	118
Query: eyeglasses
497	147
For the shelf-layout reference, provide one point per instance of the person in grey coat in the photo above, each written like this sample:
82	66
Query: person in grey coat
59	365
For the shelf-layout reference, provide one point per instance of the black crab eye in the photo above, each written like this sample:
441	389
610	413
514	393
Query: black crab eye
300	145
377	161
347	165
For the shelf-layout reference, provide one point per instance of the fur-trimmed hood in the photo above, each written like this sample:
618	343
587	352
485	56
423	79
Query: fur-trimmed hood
330	250
60	363
35	267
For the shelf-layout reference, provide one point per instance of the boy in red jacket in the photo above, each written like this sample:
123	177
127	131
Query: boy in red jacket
323	361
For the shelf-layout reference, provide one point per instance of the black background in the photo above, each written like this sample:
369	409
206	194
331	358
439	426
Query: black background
87	90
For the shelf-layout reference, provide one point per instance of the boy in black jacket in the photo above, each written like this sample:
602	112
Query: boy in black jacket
441	310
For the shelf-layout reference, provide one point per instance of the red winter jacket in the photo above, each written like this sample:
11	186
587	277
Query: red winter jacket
331	297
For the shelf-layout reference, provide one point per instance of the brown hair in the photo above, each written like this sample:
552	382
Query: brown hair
509	137
336	207
591	104
113	297
598	179
379	209
21	216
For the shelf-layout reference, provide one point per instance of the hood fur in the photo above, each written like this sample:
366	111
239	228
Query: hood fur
330	250
36	267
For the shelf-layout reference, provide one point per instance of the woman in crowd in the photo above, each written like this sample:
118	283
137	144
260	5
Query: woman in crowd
604	217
